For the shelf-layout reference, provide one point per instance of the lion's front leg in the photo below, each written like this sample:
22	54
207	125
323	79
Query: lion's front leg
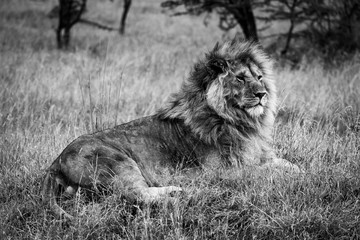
134	182
281	164
152	194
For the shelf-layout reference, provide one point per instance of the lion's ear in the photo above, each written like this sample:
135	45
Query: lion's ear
216	64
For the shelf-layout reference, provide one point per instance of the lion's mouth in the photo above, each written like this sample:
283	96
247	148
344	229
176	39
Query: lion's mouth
259	103
254	105
254	110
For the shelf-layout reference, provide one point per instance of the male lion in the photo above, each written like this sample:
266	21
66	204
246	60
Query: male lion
223	114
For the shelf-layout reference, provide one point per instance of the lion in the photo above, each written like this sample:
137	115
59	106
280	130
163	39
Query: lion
223	114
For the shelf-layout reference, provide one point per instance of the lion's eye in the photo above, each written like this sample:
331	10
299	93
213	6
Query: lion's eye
260	77
218	65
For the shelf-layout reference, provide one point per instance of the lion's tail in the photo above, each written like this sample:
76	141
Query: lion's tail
51	189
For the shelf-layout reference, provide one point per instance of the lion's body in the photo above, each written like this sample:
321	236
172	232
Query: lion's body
222	115
148	143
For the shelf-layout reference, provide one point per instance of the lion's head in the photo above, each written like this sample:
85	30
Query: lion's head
229	97
239	83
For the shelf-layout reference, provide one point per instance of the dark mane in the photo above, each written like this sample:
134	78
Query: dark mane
230	130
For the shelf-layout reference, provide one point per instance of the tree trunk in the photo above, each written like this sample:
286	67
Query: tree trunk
244	15
292	24
288	38
127	4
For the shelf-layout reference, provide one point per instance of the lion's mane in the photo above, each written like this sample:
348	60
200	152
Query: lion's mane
238	135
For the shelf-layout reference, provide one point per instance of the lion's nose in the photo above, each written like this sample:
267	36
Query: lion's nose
260	95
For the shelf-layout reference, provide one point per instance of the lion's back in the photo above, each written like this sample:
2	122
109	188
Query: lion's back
150	141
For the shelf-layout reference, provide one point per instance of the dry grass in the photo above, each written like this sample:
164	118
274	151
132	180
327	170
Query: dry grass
49	97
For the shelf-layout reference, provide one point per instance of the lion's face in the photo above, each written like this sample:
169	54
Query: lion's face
234	82
240	82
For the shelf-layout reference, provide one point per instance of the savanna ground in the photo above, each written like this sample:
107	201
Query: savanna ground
49	97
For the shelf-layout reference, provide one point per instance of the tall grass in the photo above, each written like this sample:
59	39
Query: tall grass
48	98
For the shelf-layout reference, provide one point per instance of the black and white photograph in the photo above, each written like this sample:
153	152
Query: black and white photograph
179	119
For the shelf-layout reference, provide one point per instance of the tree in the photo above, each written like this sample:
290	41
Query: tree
325	22
70	13
231	13
329	24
